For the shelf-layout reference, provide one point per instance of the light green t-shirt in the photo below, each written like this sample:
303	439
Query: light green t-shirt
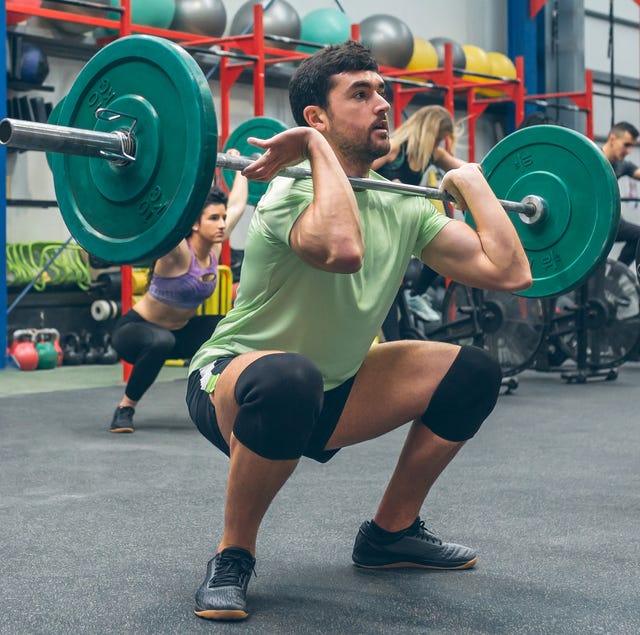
285	304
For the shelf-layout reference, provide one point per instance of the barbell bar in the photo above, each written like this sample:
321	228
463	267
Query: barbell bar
119	146
529	208
133	150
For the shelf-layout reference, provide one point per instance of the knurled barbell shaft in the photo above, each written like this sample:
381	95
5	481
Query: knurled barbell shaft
25	135
232	162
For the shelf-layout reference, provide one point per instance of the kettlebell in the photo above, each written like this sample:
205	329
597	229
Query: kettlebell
93	351
109	354
72	349
47	354
23	350
54	336
56	345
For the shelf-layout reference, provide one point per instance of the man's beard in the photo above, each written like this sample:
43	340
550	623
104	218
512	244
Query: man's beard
364	154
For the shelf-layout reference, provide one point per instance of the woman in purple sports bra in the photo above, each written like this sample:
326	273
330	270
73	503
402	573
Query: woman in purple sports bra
163	324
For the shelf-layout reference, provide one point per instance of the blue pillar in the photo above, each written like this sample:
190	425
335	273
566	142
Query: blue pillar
525	38
3	191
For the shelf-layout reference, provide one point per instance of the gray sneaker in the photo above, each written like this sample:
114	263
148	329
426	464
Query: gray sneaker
415	546
419	305
223	594
122	420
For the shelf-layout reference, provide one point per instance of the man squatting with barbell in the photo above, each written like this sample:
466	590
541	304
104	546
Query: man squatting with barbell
290	370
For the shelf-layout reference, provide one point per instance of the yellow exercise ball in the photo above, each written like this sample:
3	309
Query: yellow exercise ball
501	66
424	58
424	55
477	62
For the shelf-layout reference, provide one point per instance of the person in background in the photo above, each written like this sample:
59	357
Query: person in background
621	139
416	145
164	323
536	118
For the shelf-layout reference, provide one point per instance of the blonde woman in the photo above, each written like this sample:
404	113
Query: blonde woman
417	144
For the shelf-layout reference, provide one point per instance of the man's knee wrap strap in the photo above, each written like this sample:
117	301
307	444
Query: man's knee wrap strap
280	397
465	397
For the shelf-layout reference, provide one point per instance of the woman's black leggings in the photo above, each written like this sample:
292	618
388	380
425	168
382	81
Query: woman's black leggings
147	346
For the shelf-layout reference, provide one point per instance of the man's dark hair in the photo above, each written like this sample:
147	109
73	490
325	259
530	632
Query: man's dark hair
216	196
621	127
314	78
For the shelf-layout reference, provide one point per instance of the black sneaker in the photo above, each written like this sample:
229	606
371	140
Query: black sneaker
122	420
415	546
223	594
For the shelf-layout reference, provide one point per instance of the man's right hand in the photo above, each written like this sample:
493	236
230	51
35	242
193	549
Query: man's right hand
282	150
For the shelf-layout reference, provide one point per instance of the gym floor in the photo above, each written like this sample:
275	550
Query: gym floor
106	533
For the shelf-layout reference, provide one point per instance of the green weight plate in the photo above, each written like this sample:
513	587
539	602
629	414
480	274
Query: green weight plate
262	128
137	212
53	120
55	113
577	182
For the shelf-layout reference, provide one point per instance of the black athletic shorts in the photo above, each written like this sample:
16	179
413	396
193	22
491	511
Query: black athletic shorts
203	415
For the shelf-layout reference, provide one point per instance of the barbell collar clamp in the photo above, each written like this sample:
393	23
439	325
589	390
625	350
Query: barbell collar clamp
128	140
533	201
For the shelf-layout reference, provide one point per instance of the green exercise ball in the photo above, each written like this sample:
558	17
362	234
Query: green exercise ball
325	26
156	13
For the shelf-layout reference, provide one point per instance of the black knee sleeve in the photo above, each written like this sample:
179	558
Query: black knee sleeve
466	395
280	398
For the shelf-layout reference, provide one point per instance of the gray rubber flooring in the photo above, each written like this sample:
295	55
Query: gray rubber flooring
106	533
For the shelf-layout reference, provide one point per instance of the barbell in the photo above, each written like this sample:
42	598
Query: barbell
133	150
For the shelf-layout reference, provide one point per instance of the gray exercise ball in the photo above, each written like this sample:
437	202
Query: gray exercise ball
459	58
75	28
279	18
204	17
390	39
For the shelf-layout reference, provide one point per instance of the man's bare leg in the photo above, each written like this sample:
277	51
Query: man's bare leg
253	481
423	458
252	485
396	385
